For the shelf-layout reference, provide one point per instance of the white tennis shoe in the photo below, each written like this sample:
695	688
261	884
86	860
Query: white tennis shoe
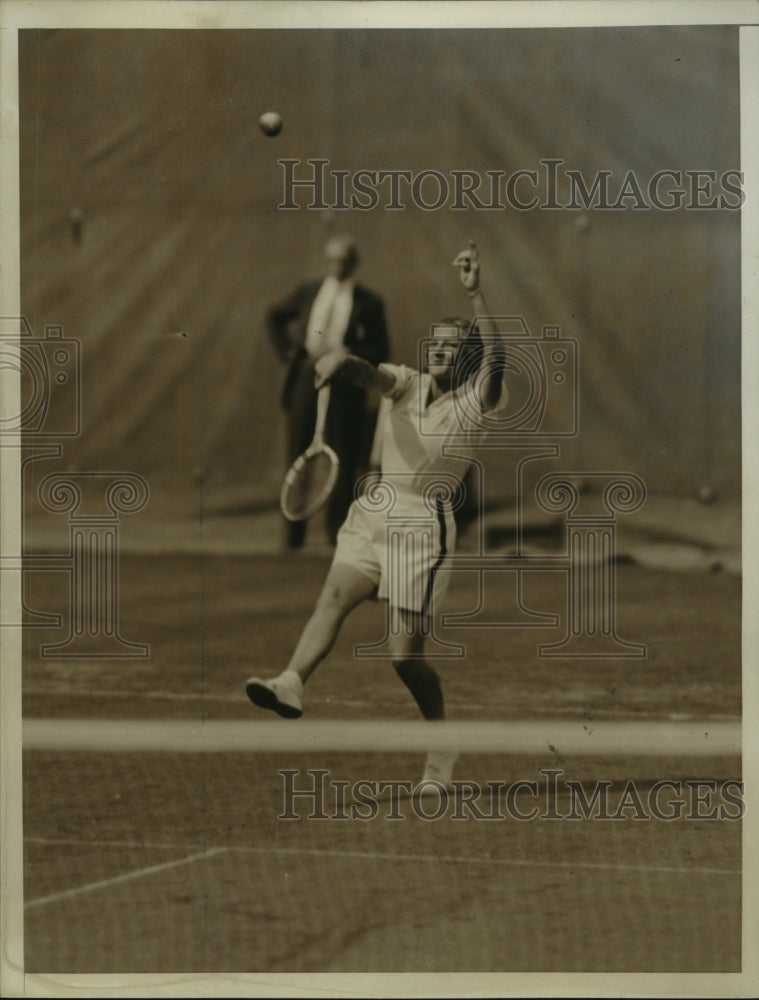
438	768
282	694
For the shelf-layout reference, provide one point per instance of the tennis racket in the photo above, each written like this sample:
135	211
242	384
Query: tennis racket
312	476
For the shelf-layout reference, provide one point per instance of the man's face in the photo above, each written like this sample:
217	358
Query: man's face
339	259
442	352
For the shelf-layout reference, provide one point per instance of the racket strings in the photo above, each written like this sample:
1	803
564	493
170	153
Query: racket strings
308	484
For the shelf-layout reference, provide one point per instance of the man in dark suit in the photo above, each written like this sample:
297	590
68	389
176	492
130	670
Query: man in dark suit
319	317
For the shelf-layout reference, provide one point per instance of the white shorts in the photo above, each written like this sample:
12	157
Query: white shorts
404	554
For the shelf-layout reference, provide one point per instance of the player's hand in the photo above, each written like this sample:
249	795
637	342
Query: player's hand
468	261
327	365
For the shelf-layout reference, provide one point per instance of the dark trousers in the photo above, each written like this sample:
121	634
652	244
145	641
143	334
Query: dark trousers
349	432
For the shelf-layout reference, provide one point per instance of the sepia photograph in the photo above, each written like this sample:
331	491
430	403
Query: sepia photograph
376	598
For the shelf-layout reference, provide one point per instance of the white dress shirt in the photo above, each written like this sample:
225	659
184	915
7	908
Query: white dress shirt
329	317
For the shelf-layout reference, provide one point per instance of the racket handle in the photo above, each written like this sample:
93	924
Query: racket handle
322	405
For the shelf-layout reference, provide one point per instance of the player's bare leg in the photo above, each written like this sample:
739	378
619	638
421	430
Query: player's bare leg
344	589
421	678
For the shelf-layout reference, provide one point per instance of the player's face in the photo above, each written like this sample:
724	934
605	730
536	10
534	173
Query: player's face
442	352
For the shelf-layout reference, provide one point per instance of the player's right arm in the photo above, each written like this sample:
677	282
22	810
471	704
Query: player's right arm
340	364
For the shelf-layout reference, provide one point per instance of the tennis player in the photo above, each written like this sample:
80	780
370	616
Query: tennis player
463	382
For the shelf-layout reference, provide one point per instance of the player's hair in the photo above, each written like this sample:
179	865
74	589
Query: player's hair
470	354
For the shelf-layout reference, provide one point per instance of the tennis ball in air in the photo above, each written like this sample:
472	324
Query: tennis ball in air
270	123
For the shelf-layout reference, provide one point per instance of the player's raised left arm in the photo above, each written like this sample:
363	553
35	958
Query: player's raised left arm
488	380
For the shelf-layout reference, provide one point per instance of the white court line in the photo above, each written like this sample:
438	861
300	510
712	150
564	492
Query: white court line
535	736
391	856
503	862
128	877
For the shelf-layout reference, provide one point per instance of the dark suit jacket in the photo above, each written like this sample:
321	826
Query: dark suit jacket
286	324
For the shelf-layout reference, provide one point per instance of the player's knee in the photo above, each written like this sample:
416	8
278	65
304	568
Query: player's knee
333	598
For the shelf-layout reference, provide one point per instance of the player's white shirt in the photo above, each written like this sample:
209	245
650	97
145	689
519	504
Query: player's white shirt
424	438
400	539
